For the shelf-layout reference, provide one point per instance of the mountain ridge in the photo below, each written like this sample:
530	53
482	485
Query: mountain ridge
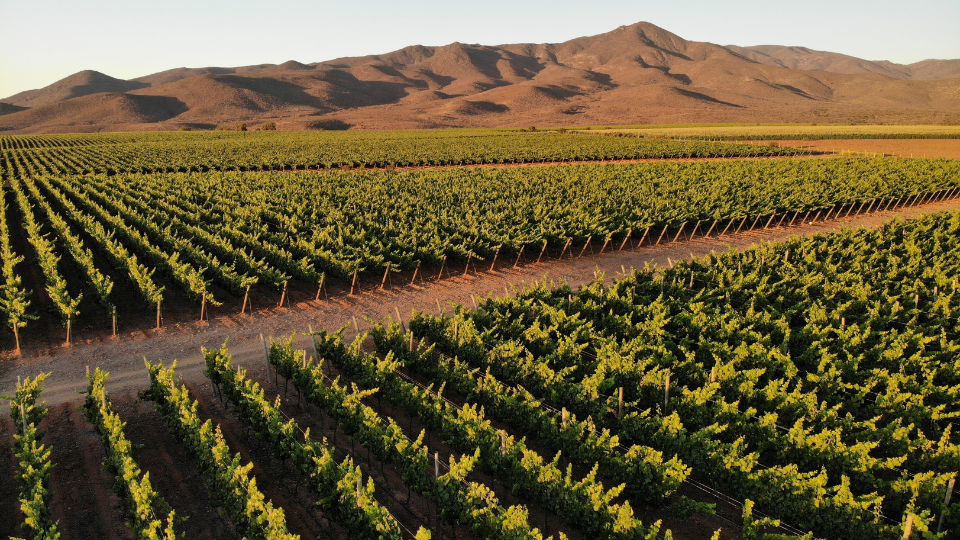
633	74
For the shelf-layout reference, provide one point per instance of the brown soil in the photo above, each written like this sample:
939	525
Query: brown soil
173	472
83	498
920	148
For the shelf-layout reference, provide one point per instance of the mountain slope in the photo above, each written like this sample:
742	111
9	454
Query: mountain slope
633	74
79	84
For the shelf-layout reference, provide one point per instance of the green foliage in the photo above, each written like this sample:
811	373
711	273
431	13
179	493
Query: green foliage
144	504
252	515
33	460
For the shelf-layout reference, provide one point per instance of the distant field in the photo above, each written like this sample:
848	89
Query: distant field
298	150
747	132
920	148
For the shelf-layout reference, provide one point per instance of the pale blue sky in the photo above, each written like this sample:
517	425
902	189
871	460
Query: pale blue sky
42	41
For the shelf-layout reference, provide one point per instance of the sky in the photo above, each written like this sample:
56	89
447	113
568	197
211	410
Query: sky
42	41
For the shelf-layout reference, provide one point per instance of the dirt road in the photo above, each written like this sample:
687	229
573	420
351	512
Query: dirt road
123	358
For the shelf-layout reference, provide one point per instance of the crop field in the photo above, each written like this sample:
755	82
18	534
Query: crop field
265	151
804	388
747	132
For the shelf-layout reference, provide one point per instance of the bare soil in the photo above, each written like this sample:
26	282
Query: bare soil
83	498
920	148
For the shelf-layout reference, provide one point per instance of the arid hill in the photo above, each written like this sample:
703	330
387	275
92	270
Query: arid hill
634	74
811	60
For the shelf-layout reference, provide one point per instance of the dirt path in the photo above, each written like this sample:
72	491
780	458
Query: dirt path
124	358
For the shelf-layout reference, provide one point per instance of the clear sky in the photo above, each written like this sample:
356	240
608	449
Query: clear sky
42	41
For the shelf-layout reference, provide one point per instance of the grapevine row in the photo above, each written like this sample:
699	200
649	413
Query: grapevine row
34	461
144	504
459	501
230	481
338	485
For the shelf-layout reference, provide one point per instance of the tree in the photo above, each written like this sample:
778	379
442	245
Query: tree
241	126
269	126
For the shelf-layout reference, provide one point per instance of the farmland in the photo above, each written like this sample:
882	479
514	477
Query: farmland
804	386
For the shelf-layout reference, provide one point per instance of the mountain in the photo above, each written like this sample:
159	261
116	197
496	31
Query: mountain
79	84
810	60
635	74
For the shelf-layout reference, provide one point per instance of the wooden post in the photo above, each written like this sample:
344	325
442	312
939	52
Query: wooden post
386	273
503	442
712	227
70	317
353	284
266	358
742	223
661	234
946	502
542	250
246	300
283	295
356	326
713	374
436	464
415	272
644	237
871	205
16	334
727	228
814	220
769	221
754	223
666	391
473	298
469	258
589	238
908	527
887	207
782	218
439	309
114	326
519	256
684	224
158	314
620	405
400	319
605	244
694	232
565	246
625	239
563	417
323	278
864	203
496	254
411	341
916	301
203	306
443	263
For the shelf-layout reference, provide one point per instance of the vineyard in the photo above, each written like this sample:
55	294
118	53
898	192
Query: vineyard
284	151
751	132
806	388
813	380
206	238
